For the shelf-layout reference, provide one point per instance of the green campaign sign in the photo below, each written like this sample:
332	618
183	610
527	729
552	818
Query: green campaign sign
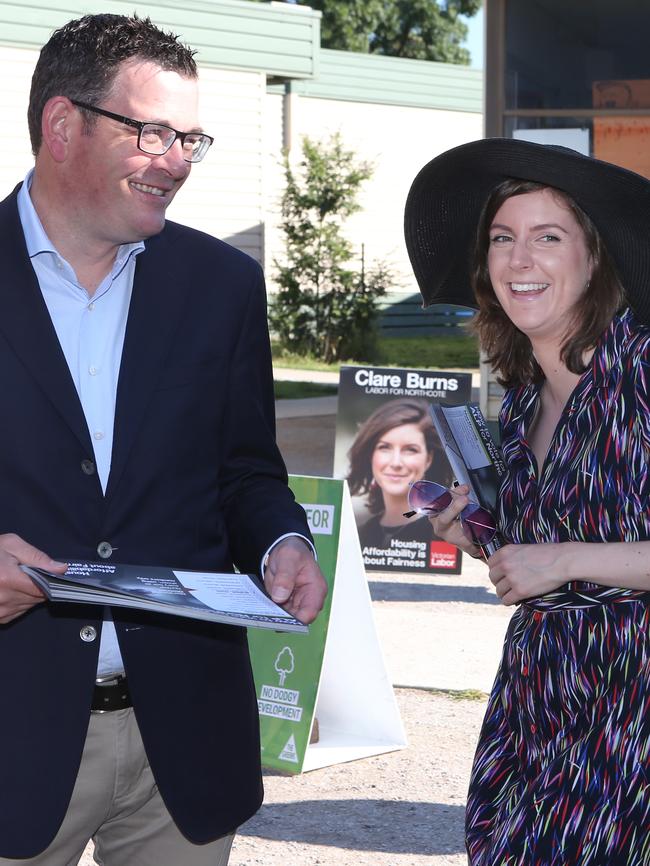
287	667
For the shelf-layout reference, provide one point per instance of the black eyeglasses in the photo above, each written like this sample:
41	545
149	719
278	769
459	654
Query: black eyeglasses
156	138
430	498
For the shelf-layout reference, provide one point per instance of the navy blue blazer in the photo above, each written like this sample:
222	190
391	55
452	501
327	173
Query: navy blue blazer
196	482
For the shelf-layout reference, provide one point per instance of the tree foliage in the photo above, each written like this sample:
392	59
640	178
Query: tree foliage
324	307
419	29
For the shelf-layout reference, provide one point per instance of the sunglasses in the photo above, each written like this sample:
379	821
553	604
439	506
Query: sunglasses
429	498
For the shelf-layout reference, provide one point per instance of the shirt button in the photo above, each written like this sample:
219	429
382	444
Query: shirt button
98	435
88	633
533	729
524	670
88	467
91	306
537	616
92	370
105	550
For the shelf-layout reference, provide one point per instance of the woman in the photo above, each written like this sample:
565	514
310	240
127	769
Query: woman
560	273
394	447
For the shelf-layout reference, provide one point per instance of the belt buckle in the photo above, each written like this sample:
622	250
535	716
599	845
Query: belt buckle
109	681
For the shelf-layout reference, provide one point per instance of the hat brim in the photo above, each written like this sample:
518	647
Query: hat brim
447	196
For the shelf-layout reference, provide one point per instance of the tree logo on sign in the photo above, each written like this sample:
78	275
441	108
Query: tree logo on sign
284	663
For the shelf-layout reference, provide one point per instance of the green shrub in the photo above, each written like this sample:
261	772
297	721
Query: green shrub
324	307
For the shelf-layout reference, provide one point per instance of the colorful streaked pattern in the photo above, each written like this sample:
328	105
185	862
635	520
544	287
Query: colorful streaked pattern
561	775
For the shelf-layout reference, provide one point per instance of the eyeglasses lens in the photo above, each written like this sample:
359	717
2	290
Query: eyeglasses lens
195	147
480	523
157	139
428	497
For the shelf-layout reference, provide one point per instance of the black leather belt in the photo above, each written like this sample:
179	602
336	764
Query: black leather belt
111	694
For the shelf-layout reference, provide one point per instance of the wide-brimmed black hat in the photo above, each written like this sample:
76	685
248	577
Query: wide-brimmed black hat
447	196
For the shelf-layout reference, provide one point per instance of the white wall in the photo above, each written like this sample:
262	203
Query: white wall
397	140
16	67
224	195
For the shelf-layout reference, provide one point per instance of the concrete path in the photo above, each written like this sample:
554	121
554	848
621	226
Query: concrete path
307	407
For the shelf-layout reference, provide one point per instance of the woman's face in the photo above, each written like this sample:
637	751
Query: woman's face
539	263
399	458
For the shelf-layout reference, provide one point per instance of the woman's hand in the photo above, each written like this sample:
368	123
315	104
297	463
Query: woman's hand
447	526
520	571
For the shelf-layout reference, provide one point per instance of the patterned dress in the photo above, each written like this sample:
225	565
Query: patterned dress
562	770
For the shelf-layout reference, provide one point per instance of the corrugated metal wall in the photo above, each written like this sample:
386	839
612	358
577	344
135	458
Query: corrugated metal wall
278	39
395	80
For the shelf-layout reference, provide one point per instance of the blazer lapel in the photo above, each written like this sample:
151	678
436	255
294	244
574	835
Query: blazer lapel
26	325
159	295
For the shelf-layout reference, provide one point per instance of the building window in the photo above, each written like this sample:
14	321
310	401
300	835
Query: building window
573	72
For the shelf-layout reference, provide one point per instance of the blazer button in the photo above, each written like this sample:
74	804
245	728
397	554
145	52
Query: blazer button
104	549
87	467
88	633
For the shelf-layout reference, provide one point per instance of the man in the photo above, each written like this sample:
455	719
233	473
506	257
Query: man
137	427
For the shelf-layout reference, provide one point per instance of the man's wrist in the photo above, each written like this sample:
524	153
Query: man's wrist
297	535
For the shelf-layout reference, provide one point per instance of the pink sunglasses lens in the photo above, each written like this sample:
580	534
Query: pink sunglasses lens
480	523
428	496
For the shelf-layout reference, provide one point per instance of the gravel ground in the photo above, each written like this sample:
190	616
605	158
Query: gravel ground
307	444
405	808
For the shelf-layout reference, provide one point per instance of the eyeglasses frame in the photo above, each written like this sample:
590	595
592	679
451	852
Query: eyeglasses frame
140	125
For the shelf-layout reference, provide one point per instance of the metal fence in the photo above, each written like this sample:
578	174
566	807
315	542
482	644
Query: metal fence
402	316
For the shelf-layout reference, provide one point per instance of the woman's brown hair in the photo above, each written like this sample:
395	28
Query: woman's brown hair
507	349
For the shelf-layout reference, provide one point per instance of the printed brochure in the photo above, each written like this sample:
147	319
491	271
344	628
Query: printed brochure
234	599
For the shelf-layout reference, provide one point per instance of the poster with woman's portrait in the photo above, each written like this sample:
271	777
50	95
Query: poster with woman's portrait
385	440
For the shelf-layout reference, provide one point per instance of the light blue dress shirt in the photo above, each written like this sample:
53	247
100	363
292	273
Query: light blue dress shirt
91	333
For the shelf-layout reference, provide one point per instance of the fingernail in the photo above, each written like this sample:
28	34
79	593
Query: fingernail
280	594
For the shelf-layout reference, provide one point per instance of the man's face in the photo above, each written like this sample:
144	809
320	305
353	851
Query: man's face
117	193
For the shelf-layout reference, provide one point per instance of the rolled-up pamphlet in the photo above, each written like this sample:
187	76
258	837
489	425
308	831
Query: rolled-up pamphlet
474	457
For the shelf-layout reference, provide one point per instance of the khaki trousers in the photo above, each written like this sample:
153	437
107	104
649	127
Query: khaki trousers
116	803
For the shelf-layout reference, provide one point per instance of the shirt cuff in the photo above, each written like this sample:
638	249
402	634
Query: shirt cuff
265	558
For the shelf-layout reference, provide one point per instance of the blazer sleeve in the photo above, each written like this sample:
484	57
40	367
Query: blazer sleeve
257	503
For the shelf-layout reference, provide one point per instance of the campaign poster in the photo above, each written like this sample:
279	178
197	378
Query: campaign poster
385	440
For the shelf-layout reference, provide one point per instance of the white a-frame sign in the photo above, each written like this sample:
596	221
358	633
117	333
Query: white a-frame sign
325	697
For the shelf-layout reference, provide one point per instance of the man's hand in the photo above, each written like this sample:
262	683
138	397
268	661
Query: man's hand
294	580
17	591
